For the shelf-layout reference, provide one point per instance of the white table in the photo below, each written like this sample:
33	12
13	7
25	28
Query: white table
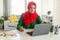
50	36
10	35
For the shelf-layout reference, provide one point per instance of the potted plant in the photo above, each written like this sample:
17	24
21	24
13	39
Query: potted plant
1	22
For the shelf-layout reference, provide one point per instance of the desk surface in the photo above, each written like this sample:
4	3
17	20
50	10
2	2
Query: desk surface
50	36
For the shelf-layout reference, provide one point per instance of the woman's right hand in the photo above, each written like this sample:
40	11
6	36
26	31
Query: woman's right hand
21	29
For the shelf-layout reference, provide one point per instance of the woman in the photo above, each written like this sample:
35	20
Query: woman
29	19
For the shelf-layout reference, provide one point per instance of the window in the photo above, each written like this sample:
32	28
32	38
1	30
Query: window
47	5
17	7
20	6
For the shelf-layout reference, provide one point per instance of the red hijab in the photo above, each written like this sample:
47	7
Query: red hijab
29	18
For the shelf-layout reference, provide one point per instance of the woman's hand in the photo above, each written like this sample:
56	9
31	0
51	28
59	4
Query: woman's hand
21	29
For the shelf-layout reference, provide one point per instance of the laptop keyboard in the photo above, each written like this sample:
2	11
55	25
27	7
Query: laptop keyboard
30	33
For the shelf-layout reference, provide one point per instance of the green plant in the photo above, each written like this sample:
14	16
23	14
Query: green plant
1	20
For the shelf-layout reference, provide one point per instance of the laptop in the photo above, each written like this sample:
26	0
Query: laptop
40	29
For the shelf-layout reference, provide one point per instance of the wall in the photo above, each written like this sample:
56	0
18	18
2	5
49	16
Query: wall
1	8
56	18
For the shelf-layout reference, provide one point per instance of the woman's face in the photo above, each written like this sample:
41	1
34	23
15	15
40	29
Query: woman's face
32	9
